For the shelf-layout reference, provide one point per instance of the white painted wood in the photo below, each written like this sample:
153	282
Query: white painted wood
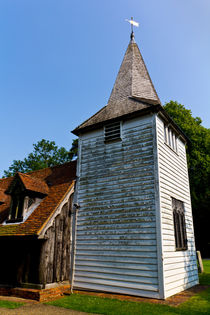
180	288
124	193
180	268
116	244
159	232
114	289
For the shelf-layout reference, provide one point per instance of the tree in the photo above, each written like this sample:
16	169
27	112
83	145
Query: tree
198	156
74	149
45	154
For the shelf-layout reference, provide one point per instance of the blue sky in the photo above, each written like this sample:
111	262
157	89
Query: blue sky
59	61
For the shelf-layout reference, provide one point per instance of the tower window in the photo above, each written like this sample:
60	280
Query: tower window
112	131
179	224
16	209
170	138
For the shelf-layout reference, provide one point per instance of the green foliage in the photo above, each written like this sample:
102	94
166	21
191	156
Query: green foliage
204	278
9	304
198	155
74	149
45	154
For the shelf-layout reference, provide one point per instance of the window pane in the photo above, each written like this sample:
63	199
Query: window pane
165	133
179	224
169	137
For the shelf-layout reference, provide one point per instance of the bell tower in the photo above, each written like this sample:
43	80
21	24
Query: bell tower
133	193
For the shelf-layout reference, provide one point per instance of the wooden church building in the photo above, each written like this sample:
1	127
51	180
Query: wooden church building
129	228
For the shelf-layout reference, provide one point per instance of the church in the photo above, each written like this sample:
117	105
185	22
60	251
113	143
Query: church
118	219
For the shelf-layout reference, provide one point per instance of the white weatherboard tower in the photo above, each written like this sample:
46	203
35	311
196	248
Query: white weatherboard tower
134	228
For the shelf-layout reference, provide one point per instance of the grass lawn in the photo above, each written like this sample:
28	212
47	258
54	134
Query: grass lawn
205	277
9	304
197	305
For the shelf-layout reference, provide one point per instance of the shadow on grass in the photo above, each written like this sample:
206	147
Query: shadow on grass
204	278
198	304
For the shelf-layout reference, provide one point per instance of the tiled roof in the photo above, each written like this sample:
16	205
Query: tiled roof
133	78
58	179
31	183
133	91
3	196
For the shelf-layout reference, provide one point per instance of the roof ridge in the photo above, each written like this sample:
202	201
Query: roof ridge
89	118
29	176
132	65
147	72
36	171
49	167
133	80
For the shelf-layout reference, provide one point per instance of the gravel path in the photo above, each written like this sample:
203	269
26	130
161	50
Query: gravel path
39	309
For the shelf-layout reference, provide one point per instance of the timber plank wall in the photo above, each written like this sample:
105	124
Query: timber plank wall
55	252
180	267
116	247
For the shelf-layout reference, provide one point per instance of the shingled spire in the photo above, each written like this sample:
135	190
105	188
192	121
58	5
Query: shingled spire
133	79
133	91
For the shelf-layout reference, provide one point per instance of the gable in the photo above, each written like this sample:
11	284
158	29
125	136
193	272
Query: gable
60	179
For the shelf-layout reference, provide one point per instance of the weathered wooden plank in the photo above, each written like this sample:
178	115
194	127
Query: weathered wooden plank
125	271
121	232
50	253
122	290
116	264
120	276
131	225
180	267
143	260
116	226
65	240
179	276
124	242
183	281
179	288
119	248
58	247
119	236
43	263
124	284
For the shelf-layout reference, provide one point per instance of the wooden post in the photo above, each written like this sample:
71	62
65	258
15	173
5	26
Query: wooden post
200	262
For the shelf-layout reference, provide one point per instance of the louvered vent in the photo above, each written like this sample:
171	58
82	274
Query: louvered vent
112	131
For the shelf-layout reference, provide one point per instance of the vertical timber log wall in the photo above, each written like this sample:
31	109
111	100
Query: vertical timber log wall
180	267
116	247
55	252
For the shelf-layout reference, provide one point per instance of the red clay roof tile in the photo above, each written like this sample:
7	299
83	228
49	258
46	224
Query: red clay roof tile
34	184
58	179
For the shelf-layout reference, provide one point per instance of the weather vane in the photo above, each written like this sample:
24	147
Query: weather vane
132	22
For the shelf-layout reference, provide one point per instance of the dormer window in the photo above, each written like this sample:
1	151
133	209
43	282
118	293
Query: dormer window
16	209
30	201
112	132
26	194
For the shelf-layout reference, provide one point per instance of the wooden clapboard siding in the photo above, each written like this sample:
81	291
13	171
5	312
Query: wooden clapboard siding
116	246
180	268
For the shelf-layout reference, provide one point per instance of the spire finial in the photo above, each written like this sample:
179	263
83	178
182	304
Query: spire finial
132	33
132	22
